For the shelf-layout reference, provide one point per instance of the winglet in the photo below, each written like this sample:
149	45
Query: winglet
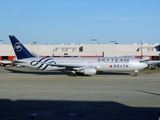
20	51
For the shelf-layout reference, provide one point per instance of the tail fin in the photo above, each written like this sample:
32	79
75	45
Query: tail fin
20	51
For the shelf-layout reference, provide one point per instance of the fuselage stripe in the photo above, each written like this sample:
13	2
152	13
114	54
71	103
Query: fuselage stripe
44	62
45	67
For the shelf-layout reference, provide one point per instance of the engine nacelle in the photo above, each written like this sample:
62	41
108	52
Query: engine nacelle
89	71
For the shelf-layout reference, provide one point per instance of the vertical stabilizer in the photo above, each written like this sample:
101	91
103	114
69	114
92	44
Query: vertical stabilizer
20	51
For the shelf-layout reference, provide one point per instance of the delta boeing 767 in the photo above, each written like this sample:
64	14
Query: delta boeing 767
85	66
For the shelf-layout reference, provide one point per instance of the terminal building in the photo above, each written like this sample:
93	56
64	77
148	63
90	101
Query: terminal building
151	50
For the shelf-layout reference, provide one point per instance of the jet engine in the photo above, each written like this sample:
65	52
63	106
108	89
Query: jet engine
89	71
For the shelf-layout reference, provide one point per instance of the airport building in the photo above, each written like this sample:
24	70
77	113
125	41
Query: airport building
151	50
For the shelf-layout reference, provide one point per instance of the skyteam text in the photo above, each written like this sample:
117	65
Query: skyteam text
114	60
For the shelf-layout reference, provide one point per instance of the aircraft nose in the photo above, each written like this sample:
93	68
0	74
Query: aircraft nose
145	65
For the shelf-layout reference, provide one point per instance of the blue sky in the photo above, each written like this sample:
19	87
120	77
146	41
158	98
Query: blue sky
80	21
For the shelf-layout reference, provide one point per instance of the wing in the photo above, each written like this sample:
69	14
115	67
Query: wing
151	62
65	65
73	66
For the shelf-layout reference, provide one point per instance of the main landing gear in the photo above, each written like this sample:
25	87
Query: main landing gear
73	73
136	73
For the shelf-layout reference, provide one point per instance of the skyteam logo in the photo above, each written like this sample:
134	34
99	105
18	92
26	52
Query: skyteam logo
18	47
42	63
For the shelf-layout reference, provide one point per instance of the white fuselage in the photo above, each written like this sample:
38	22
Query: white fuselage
100	64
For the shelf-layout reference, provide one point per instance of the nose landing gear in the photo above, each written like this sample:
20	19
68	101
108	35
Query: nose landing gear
136	73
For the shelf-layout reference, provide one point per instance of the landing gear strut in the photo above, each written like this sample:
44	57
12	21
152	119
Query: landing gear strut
73	73
136	73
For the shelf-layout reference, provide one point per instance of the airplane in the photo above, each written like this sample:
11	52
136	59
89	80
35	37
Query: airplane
85	66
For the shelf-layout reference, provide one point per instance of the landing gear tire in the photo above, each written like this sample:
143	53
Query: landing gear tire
135	74
73	74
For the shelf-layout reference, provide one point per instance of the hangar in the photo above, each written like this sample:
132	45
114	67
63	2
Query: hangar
151	50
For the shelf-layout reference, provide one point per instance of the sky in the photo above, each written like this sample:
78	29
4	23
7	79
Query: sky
80	21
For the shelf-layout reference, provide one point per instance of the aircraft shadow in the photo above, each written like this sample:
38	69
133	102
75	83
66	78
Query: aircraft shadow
38	72
113	73
73	110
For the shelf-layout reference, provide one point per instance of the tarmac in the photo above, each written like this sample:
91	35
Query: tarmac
28	94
